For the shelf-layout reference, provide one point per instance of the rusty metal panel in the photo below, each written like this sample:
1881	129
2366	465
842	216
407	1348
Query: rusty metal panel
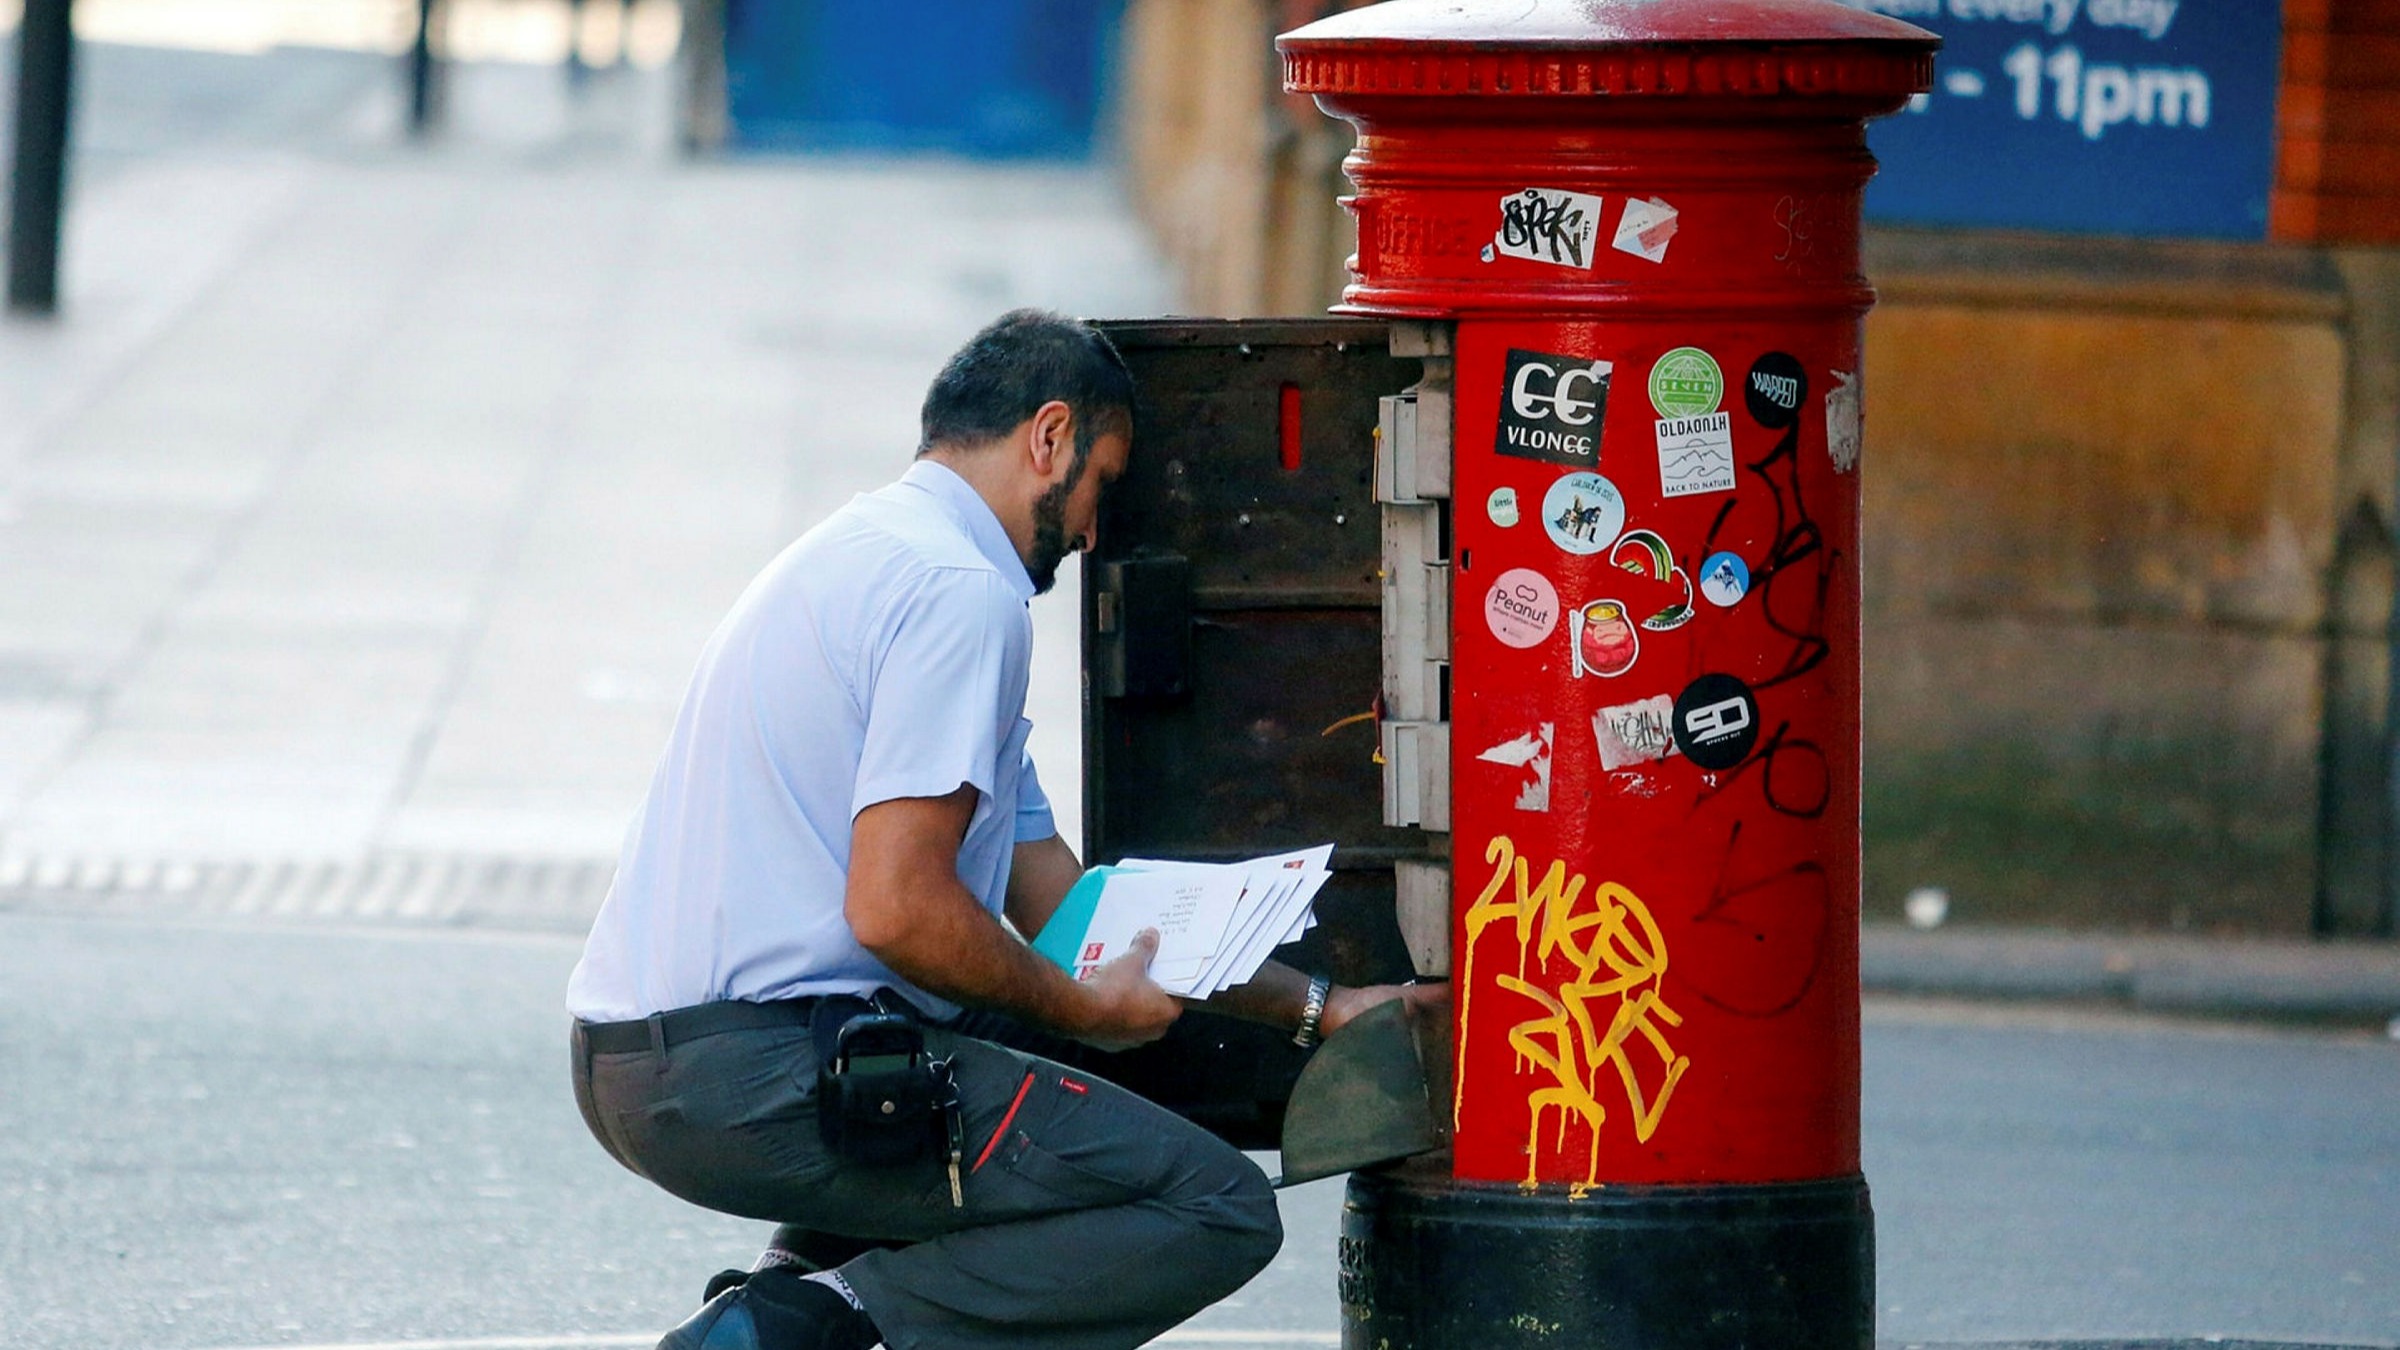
1252	479
1261	755
1266	523
1254	466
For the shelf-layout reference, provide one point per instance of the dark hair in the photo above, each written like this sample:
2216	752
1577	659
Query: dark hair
1024	359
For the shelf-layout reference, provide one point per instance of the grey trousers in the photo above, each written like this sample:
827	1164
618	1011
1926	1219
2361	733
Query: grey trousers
1092	1218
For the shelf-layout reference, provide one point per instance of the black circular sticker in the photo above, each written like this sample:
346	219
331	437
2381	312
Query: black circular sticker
1774	390
1716	721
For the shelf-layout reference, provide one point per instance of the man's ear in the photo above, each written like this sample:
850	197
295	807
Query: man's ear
1051	439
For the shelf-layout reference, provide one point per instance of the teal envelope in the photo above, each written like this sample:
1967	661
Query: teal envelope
1062	938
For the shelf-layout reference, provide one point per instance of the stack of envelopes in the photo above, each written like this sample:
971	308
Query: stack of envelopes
1216	922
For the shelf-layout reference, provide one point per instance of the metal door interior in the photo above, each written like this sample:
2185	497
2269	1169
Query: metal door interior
1232	647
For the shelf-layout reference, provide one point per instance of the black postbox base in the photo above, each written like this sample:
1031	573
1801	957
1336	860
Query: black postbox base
1430	1263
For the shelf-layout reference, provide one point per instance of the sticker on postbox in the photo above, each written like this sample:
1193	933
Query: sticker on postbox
1685	383
1646	229
1583	513
1724	579
1641	732
1716	721
1774	390
1603	640
1529	753
1551	408
1842	422
1695	454
1549	225
1644	554
1522	608
1501	506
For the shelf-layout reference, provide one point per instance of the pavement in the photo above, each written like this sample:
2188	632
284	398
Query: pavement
2348	983
360	518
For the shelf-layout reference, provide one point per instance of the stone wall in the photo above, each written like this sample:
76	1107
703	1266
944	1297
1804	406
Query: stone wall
2101	514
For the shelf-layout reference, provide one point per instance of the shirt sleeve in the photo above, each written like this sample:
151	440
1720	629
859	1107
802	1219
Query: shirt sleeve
943	694
1034	820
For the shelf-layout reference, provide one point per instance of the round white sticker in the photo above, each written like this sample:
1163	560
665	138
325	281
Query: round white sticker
1503	507
1583	513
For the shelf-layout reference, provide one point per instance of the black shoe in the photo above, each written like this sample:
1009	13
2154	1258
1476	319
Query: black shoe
775	1310
723	1323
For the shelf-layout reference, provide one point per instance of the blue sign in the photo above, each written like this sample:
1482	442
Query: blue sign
2144	117
992	78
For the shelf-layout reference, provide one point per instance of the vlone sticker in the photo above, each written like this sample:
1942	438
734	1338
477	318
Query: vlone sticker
1551	407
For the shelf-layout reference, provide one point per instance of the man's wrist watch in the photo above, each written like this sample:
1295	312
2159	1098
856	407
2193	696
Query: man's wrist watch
1312	1012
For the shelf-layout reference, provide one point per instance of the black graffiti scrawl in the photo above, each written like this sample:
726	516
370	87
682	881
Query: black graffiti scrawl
1551	408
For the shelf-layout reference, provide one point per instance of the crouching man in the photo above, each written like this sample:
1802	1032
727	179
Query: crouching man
843	815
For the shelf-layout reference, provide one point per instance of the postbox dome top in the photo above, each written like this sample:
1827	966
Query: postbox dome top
1660	48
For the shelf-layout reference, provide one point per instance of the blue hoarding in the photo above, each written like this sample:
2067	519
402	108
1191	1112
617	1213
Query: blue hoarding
995	78
2138	117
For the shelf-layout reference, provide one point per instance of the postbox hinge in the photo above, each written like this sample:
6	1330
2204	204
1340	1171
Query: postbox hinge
1416	612
1412	452
1413	483
1412	445
1416	775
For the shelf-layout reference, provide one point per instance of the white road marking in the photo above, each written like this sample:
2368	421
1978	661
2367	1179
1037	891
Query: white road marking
481	1343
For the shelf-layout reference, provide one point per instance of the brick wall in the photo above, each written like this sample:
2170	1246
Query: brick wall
2337	166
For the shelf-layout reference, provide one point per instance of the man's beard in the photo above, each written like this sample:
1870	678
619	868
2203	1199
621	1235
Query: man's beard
1050	543
1050	547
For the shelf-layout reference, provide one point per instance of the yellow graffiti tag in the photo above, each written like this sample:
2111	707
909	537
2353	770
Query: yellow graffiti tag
1614	951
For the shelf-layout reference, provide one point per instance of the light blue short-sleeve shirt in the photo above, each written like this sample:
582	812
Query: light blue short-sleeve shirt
883	655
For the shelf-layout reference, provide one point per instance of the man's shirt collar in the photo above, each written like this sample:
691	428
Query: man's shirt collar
966	508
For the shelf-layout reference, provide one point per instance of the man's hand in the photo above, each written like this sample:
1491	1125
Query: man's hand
1344	1003
1127	1007
1276	995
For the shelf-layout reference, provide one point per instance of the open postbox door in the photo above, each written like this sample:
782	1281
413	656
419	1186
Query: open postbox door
1234	657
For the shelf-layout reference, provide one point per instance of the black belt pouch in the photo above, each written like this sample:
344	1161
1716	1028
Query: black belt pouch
879	1096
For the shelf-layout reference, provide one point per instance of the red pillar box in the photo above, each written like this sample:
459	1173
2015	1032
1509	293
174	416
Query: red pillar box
1643	221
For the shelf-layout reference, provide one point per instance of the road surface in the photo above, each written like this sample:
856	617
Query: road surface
242	1134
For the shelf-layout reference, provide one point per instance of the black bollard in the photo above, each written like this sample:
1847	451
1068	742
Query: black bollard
420	72
38	180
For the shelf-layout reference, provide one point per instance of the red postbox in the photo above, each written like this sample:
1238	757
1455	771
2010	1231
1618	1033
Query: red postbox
1635	223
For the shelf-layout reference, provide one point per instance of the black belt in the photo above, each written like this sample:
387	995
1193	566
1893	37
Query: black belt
690	1024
